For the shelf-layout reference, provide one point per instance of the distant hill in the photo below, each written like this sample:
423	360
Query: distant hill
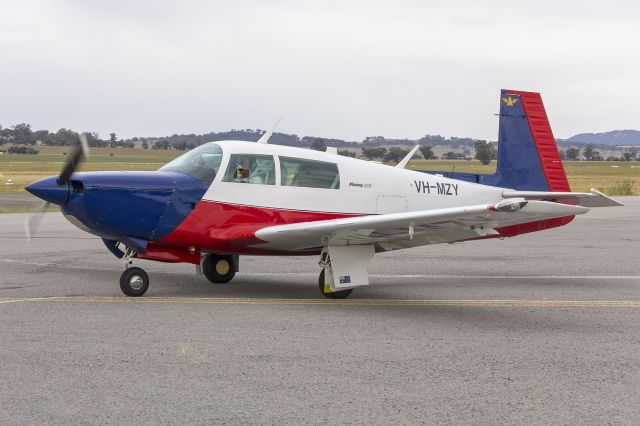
612	138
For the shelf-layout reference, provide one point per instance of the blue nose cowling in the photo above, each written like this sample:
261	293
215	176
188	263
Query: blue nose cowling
49	190
142	205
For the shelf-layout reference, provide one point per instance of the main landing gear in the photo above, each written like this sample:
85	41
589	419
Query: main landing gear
343	269
325	289
219	269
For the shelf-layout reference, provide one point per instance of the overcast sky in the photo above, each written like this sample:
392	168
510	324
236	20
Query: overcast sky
342	69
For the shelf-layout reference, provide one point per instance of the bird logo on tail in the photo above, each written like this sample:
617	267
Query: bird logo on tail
510	101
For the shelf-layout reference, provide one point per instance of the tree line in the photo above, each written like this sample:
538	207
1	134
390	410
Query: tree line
484	152
23	134
589	153
372	147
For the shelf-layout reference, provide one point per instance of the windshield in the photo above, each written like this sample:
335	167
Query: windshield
202	162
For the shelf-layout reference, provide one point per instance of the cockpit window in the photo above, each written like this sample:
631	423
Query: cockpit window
202	162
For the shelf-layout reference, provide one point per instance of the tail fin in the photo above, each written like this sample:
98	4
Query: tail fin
528	157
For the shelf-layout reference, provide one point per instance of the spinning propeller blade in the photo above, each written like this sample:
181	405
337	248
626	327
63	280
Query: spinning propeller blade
33	221
79	153
74	159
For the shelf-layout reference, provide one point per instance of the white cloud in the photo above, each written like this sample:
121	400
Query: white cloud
336	69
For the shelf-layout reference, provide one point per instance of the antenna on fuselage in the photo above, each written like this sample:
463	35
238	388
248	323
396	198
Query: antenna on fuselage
402	164
265	137
331	150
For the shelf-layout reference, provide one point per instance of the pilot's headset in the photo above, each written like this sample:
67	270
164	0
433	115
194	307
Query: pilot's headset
239	165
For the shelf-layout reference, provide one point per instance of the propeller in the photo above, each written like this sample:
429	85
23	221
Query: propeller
79	153
74	159
35	218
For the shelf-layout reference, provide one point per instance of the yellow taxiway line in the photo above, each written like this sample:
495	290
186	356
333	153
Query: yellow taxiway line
349	302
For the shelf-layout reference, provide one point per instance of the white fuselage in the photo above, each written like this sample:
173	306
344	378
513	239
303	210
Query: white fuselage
365	187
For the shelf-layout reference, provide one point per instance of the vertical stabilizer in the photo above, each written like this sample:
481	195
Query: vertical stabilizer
528	157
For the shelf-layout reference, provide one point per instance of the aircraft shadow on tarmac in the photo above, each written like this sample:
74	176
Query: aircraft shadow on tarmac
485	318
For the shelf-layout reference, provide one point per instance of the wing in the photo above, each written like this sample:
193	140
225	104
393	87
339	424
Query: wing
594	198
410	229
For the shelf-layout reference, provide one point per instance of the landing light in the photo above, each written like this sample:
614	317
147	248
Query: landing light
509	205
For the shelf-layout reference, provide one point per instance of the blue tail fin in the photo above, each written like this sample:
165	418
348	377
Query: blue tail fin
528	157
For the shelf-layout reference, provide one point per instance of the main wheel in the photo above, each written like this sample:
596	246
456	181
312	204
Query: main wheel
219	269
342	294
134	282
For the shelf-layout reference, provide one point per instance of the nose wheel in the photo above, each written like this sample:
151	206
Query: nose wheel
134	282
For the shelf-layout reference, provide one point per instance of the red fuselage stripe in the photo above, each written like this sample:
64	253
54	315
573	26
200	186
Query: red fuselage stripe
230	228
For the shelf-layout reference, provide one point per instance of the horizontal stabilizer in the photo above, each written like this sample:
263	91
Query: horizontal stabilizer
594	198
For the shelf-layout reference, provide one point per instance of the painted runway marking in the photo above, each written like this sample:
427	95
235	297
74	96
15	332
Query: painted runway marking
353	302
312	274
4	300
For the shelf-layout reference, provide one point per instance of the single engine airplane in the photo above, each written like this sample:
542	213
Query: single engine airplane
225	199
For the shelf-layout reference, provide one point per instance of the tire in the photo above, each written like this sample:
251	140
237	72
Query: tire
134	282
219	269
342	294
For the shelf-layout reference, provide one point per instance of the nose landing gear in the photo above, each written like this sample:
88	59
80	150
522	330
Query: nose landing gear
134	281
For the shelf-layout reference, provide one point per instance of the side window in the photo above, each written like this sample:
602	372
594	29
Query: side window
249	168
309	173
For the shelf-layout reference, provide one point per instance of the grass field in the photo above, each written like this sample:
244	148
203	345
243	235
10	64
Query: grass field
613	178
24	169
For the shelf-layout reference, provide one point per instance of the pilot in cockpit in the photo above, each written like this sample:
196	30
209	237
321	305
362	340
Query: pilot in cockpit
246	171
